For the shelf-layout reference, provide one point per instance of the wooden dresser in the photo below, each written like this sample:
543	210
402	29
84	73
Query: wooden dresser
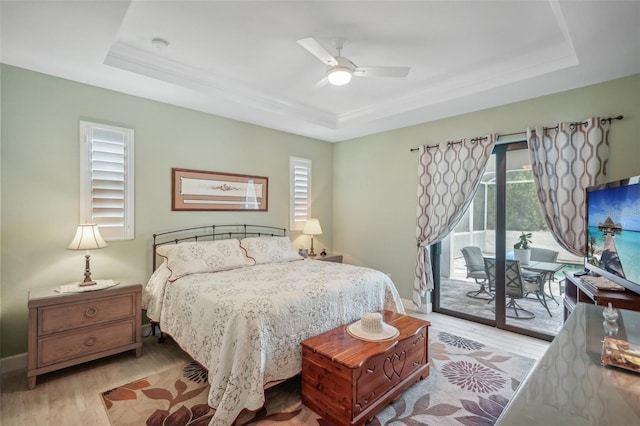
347	380
569	386
72	328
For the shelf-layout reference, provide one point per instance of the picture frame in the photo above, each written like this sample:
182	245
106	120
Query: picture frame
199	190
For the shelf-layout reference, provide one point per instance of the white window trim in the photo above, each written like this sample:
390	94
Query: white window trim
126	231
295	162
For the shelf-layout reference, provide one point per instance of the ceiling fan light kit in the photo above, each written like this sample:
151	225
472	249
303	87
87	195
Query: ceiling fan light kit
340	74
342	69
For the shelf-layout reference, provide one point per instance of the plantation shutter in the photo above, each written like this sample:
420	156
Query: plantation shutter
107	181
300	192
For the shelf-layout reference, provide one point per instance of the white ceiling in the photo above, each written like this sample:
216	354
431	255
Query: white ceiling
240	59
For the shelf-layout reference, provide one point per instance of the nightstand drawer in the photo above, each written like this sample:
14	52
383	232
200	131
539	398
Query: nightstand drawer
73	315
61	348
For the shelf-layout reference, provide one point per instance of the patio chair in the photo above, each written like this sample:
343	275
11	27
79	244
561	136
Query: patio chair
490	270
516	287
534	284
475	269
545	255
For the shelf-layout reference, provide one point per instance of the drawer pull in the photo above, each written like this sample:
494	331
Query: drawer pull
91	312
90	341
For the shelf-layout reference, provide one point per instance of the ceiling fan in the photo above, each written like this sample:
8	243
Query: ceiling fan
342	69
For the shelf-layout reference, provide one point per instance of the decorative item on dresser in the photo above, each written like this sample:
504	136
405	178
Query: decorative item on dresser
348	380
68	329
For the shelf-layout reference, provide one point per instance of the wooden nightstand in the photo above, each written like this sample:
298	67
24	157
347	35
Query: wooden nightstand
329	258
66	329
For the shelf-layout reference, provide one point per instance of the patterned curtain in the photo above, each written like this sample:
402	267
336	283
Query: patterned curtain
448	178
565	161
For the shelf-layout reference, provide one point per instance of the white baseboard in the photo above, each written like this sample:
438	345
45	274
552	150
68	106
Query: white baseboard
19	362
13	363
410	306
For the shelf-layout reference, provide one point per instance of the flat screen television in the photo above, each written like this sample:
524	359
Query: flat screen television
613	232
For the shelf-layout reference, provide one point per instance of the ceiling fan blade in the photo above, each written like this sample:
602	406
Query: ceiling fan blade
320	84
381	71
318	51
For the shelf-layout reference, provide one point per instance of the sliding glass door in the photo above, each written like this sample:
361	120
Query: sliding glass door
479	277
462	288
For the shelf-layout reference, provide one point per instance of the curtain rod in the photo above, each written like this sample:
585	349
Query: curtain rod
449	144
577	123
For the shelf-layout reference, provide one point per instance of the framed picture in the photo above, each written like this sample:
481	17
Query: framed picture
196	190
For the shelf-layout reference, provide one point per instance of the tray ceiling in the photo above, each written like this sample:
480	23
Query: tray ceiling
240	59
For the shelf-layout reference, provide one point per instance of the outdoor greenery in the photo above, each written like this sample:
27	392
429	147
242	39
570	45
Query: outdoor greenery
523	207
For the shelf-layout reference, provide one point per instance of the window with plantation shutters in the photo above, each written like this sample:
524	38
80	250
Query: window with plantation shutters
106	179
300	192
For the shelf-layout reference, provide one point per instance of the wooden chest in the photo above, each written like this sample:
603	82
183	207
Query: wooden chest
69	329
347	380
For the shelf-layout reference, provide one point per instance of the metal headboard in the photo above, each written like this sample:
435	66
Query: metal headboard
213	232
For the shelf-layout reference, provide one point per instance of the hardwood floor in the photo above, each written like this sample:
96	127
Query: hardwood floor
71	396
491	336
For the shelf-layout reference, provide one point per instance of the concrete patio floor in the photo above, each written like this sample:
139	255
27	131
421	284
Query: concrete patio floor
453	295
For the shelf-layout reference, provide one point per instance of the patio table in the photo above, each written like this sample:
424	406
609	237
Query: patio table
546	268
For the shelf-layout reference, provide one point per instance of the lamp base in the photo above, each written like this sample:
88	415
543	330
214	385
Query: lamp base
87	272
311	252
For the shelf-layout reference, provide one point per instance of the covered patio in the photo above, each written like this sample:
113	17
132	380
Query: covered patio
477	228
454	289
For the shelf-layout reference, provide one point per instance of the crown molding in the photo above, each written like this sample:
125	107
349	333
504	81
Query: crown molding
223	91
526	66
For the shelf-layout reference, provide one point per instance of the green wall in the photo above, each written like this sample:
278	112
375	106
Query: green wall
40	182
364	189
374	180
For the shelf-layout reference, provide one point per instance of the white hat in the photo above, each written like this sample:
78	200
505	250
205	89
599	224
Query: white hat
371	328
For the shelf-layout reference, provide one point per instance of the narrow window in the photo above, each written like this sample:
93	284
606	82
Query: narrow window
300	192
106	179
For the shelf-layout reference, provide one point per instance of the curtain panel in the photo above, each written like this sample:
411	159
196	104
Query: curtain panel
448	178
565	161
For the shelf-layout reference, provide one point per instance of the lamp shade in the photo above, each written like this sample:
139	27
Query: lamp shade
312	227
87	238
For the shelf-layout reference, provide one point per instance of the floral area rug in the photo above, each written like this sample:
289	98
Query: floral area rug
469	384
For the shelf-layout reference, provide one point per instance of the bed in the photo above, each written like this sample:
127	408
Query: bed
239	299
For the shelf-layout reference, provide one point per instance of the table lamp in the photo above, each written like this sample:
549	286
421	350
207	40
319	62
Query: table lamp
312	227
87	238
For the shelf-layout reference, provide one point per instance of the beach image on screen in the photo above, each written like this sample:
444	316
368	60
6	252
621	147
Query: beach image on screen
614	230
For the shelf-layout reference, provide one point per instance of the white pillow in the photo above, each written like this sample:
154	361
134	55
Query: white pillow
270	249
203	256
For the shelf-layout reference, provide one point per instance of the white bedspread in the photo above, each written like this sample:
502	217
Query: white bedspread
245	325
